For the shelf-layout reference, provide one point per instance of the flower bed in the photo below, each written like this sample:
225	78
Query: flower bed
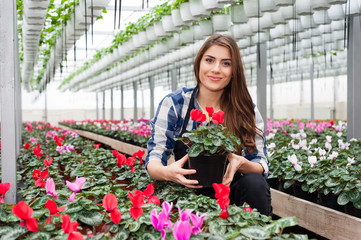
314	161
136	133
110	196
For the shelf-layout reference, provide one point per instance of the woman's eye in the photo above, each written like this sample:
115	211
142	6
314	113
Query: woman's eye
227	64
209	60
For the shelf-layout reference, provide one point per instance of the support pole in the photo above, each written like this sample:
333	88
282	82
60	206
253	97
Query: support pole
262	80
271	93
9	75
143	107
122	102
174	79
151	88
312	92
46	105
103	105
354	78
97	105
111	105
135	114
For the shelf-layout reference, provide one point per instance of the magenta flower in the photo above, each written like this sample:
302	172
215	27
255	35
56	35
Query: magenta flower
184	216
50	188
197	223
159	222
167	208
75	187
182	230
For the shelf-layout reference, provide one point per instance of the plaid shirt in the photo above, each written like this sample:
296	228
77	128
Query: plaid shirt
167	125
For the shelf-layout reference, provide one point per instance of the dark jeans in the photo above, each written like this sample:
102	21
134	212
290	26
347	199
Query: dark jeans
251	188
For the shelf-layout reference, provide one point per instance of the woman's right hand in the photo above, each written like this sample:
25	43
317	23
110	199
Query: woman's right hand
176	173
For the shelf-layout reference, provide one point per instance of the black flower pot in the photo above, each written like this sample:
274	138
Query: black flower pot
351	210
210	169
330	201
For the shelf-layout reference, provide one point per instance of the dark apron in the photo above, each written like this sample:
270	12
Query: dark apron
180	149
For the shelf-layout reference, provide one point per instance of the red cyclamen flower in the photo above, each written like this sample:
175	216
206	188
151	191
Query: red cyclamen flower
96	145
70	228
48	162
197	115
140	155
137	200
110	203
222	195
4	187
40	177
210	111
25	213
218	117
27	146
148	192
37	151
54	209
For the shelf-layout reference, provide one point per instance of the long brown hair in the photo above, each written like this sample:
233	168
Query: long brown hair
236	102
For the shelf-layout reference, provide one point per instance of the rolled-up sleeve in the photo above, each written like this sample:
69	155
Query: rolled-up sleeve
259	155
161	143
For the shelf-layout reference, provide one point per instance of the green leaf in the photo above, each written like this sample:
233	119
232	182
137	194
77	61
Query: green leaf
134	226
121	235
14	233
287	222
12	218
255	232
357	204
195	150
207	142
353	195
287	184
72	208
331	182
4	230
91	218
217	141
342	199
273	227
216	229
40	236
149	236
49	227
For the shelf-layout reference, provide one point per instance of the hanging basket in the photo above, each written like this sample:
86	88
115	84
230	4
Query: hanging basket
282	3
177	18
197	32
303	7
336	12
210	169
251	9
186	14
320	5
321	17
237	14
221	22
268	6
225	1
168	25
197	9
158	29
206	27
186	36
277	18
151	36
212	5
287	13
44	4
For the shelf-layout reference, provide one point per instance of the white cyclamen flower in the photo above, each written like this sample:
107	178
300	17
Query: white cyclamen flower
313	141
312	160
292	159
333	155
298	168
350	160
271	146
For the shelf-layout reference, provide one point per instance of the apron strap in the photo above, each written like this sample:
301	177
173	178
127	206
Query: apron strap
190	107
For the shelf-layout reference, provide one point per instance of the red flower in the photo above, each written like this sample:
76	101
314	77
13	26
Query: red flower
122	160
4	187
218	117
110	203
148	192
96	145
138	200
247	209
25	213
222	195
70	228
140	155
210	111
197	115
27	146
130	162
40	177
37	151
48	162
115	153
54	210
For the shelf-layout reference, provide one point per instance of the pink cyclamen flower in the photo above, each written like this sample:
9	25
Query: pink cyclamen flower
184	216
32	140
182	230
75	187
159	222
4	187
197	223
50	188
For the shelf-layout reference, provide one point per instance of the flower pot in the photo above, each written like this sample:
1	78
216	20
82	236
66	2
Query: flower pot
282	3
158	29
186	14
332	2
336	12
287	13
151	34
251	8
197	32
225	1
168	25
212	5
303	7
197	9
177	18
237	14
330	201
221	22
321	17
277	18
186	36
268	6
206	27
210	169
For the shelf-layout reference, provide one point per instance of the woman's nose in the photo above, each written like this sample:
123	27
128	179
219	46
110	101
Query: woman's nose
216	67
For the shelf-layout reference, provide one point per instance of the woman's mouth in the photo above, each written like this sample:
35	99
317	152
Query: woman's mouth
213	78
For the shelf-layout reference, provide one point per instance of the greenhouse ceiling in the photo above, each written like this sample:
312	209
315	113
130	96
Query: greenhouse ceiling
149	42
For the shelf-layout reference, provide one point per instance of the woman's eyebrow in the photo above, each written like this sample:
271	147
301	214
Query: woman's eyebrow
225	59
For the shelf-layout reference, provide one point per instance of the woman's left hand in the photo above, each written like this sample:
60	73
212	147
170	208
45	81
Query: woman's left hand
235	162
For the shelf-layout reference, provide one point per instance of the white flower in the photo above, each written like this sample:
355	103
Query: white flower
271	146
312	160
333	155
328	145
328	138
306	148
350	160
295	146
298	168
322	152
339	134
302	143
313	141
270	136
292	159
353	140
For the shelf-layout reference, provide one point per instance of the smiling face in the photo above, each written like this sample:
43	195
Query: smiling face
215	69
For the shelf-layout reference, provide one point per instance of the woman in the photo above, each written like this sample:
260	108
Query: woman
221	84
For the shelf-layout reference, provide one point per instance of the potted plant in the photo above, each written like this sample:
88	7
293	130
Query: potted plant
209	145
